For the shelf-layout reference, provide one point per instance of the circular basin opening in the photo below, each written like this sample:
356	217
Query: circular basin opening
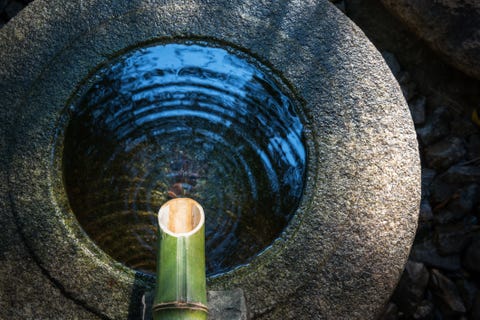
184	120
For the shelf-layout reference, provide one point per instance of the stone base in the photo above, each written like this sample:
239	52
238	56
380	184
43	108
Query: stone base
222	305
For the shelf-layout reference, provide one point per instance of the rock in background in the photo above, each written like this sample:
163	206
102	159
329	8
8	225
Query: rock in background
451	27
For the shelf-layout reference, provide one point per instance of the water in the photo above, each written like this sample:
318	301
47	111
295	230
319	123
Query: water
184	120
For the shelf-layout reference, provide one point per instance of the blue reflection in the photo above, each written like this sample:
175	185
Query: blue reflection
181	120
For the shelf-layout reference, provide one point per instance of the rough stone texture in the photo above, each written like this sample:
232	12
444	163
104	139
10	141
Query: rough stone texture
26	290
343	252
449	211
227	305
448	26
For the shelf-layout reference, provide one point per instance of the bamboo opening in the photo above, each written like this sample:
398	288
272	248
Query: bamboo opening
180	216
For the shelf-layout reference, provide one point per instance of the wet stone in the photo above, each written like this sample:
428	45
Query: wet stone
447	293
445	153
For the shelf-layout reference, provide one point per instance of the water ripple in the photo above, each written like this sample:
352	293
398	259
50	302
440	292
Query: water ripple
184	120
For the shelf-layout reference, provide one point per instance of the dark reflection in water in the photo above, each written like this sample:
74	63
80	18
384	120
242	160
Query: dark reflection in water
181	120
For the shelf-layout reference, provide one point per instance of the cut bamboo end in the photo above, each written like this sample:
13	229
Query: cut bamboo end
181	217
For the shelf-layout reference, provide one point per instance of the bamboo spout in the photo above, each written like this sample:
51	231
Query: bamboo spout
181	281
181	215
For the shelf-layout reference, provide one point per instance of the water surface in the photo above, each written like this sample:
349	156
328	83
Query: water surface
184	120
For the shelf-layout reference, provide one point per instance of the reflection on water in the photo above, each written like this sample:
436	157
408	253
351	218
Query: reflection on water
181	120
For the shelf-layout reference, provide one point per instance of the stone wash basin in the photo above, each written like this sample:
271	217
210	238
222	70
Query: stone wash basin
341	250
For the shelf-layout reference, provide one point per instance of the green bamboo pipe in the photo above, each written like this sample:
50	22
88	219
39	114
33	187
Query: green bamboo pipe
181	281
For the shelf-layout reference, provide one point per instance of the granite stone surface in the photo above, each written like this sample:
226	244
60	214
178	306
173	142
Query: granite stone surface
227	305
343	252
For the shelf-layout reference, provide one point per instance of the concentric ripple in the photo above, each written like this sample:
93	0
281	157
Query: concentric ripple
184	120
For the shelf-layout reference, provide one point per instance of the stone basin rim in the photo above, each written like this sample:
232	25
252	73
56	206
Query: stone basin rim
57	171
